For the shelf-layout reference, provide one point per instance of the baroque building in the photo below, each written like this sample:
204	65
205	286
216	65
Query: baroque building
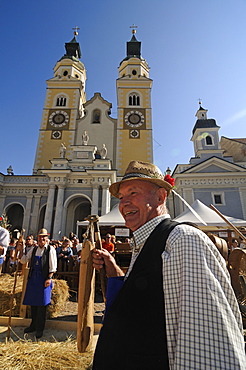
81	149
216	174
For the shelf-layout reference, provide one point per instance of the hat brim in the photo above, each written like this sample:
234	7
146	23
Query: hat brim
43	234
114	188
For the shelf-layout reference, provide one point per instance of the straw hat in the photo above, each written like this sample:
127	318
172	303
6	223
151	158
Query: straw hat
43	232
142	171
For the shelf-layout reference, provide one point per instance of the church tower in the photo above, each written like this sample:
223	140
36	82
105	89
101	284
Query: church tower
134	124
63	106
205	137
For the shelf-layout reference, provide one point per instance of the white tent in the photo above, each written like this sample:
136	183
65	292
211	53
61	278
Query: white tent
208	215
112	218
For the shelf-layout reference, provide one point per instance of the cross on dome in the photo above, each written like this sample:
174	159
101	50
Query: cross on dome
76	30
134	28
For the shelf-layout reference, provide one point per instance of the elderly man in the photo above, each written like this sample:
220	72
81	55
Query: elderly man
43	264
176	308
29	244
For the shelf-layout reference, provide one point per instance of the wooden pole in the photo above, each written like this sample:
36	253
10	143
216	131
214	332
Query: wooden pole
11	304
94	219
228	222
21	238
85	324
23	307
102	272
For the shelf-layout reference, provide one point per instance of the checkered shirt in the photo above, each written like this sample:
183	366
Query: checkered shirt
203	321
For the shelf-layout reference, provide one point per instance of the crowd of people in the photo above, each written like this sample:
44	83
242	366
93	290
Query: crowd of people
65	248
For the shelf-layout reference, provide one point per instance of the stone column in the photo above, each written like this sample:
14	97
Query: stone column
59	212
35	215
95	198
105	199
49	208
27	214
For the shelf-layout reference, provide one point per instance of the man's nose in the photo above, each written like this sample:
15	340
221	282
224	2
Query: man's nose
124	200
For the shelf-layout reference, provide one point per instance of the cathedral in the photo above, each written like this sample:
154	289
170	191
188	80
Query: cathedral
81	149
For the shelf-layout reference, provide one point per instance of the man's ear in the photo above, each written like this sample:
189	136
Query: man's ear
162	195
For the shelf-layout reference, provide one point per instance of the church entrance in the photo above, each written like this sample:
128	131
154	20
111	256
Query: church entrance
77	210
15	214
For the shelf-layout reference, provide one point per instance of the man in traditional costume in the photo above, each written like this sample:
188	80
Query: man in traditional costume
176	308
43	264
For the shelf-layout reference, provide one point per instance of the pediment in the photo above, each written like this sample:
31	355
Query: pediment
96	100
215	165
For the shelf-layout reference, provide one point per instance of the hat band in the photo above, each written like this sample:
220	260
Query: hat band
135	174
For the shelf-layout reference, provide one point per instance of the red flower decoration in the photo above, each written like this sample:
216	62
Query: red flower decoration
169	179
1	218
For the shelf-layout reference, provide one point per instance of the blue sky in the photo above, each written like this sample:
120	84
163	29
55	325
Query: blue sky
195	49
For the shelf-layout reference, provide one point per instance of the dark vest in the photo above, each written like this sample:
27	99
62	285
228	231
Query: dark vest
134	332
44	261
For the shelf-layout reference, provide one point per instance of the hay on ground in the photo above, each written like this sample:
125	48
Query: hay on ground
60	295
25	355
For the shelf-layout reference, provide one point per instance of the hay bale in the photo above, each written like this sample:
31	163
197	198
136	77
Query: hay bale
23	355
60	295
6	288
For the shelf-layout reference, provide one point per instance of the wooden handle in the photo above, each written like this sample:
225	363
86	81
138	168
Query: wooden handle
102	272
228	222
85	322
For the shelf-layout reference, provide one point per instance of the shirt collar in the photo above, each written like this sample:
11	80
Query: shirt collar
141	235
45	247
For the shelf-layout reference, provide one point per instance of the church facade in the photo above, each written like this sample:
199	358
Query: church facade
81	149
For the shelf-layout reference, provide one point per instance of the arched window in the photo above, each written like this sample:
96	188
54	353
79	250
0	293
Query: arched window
96	116
209	140
134	99
61	101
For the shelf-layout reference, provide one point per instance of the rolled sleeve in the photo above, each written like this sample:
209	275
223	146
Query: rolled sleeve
52	260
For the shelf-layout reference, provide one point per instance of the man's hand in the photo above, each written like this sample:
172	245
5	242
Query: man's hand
47	282
101	257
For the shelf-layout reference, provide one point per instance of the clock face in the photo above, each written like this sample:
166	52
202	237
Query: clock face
134	134
134	118
58	118
56	135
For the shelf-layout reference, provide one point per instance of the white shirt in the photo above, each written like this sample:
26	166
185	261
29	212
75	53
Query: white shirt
39	252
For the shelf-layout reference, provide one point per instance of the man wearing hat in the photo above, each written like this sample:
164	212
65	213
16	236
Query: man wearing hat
175	308
43	264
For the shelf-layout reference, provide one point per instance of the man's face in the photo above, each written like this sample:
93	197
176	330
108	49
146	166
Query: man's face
139	202
108	238
75	241
42	240
29	241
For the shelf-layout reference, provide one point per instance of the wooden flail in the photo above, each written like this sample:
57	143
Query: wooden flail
86	289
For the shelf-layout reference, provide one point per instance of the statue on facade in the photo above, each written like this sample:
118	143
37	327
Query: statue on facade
10	170
104	152
85	138
62	151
